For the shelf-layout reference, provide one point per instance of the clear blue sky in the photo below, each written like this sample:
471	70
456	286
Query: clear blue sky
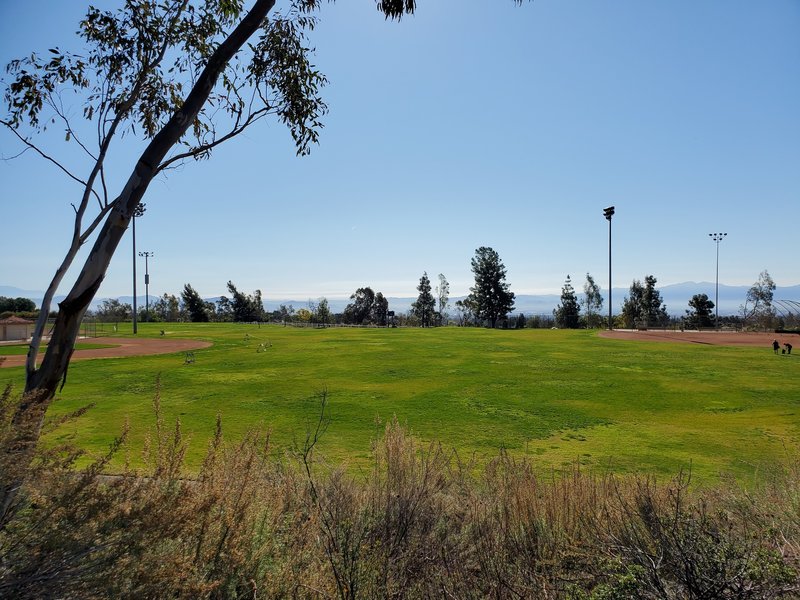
472	123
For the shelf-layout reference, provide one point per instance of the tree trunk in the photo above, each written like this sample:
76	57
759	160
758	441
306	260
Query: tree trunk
41	384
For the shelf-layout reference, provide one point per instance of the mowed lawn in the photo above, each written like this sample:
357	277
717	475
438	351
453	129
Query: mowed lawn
559	397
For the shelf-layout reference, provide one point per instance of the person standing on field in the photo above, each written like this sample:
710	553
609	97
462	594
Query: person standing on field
775	346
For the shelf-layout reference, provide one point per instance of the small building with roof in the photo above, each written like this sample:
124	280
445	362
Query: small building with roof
15	329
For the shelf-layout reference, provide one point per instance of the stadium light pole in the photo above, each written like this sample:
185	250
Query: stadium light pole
147	255
717	238
133	221
608	212
138	212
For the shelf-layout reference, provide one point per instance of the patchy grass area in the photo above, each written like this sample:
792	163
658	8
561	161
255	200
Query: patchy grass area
562	397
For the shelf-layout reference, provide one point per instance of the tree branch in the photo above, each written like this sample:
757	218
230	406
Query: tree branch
60	112
203	148
41	153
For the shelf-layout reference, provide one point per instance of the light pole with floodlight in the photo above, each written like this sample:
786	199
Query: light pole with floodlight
147	255
137	212
608	212
717	238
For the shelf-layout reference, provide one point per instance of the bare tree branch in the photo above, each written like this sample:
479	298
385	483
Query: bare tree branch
41	153
59	110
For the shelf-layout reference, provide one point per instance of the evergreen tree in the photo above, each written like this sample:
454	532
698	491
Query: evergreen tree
567	312
425	305
195	307
700	314
489	298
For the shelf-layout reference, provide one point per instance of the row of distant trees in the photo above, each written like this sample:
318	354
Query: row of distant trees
17	306
643	307
490	303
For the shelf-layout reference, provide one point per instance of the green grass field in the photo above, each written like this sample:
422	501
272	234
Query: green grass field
559	397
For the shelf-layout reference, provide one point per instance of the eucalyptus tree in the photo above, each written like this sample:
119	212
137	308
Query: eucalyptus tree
593	301
442	298
359	310
380	310
757	306
179	76
466	311
186	76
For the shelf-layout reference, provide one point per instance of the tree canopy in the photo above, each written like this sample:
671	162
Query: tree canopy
359	310
700	312
757	308
246	308
643	306
16	304
593	301
197	309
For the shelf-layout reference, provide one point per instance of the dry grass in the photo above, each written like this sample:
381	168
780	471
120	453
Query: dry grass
421	524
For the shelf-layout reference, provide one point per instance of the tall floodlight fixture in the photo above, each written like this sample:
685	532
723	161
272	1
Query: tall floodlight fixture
137	212
717	238
147	255
608	212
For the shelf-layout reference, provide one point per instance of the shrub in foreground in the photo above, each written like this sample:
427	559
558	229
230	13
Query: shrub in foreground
420	524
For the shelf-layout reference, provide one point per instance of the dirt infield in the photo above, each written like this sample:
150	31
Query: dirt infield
124	347
712	338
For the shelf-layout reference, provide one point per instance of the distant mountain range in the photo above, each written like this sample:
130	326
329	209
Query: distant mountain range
675	296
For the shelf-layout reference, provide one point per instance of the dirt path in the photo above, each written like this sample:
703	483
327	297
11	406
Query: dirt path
713	338
124	347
